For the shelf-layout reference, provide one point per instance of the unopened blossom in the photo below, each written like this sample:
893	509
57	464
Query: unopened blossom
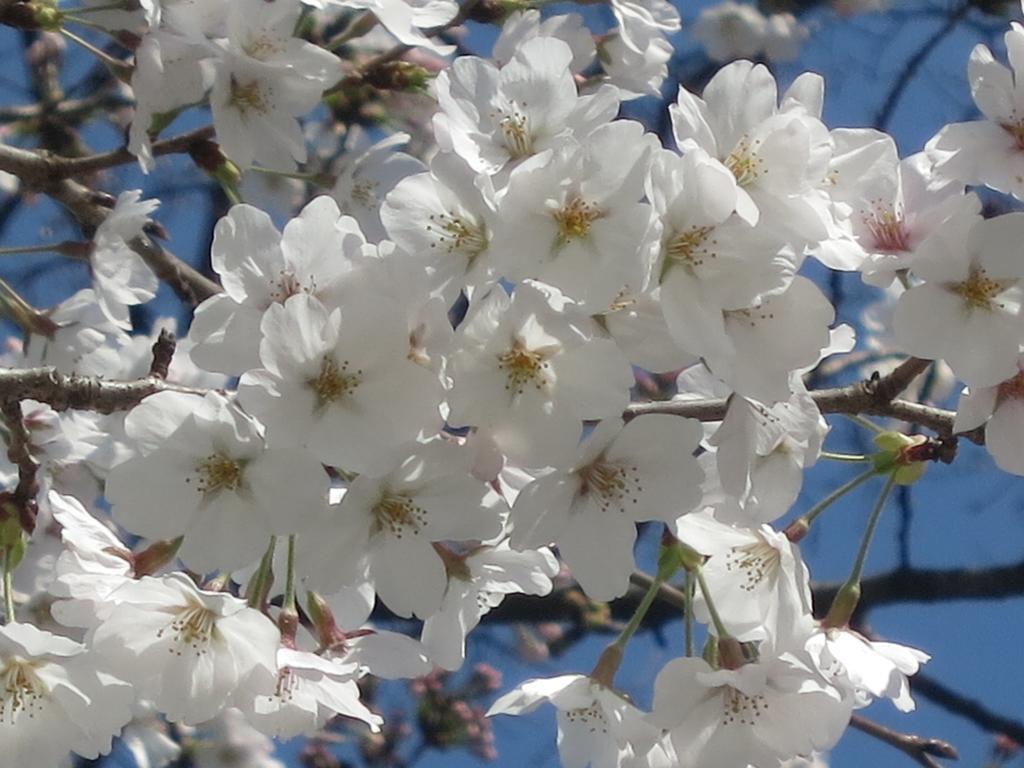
56	699
496	118
590	505
1000	410
967	310
205	472
184	648
530	368
260	266
758	714
120	277
597	726
302	695
264	79
577	221
988	152
477	584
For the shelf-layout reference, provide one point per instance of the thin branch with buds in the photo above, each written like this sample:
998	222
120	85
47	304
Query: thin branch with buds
921	750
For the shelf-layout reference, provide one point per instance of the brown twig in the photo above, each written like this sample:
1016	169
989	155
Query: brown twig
163	353
19	452
876	396
922	751
62	392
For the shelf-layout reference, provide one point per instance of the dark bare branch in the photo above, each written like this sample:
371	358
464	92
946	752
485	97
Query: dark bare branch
922	751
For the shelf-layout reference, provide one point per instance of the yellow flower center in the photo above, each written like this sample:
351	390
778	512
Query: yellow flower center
612	486
523	367
23	693
740	709
191	630
333	382
757	561
397	515
248	97
515	130
688	248
218	472
455	235
744	163
889	231
574	219
979	290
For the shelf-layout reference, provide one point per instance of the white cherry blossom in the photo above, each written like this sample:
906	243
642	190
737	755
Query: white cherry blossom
989	151
306	691
184	648
345	387
589	506
55	699
576	221
967	310
1000	410
759	714
493	118
530	369
211	478
596	725
478	583
259	267
393	517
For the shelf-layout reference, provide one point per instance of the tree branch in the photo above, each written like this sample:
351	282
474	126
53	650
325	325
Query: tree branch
873	397
926	585
62	392
918	749
187	282
969	709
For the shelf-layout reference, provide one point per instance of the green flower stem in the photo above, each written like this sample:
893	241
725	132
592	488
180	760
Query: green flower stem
848	457
842	490
18	250
289	584
860	421
846	599
638	615
858	564
8	589
258	584
688	612
716	620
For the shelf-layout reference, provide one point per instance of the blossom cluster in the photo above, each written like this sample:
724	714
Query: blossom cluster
420	402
